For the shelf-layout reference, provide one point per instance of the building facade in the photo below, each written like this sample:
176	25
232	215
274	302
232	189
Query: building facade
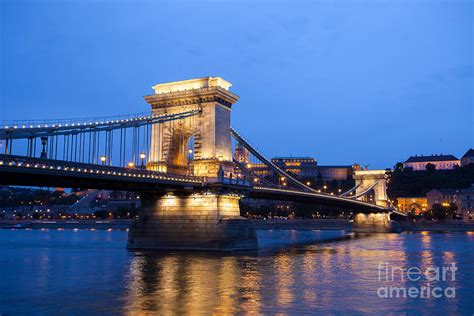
259	169
417	204
304	167
241	154
467	203
444	197
468	158
329	173
441	162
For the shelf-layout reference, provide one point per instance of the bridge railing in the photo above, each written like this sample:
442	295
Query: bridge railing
76	121
75	167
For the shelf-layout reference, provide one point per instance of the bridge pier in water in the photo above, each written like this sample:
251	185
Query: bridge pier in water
200	221
374	223
375	181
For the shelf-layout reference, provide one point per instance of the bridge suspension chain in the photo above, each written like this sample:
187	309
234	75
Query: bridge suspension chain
105	143
268	162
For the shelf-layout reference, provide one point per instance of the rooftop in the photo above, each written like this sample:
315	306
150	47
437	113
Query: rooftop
469	153
431	158
292	158
198	83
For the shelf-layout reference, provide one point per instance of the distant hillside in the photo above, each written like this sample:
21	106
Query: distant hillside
406	182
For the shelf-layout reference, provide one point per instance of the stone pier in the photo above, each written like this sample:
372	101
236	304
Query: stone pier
375	223
201	221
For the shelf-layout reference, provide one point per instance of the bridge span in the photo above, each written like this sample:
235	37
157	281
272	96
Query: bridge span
21	171
179	157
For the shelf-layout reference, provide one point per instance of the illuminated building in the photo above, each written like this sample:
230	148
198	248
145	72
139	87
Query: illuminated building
468	158
260	169
444	197
304	167
467	202
241	154
441	162
412	203
329	173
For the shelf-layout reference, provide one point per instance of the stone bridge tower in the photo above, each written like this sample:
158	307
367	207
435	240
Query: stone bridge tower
373	222
187	219
365	179
210	129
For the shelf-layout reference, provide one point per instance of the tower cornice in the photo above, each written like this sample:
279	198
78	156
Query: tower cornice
193	96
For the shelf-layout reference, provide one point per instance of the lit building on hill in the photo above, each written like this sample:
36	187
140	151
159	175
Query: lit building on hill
444	197
468	158
441	162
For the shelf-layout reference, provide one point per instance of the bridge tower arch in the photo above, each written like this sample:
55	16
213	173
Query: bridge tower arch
210	127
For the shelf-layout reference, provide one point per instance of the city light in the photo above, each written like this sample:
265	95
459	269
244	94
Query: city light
103	159
142	157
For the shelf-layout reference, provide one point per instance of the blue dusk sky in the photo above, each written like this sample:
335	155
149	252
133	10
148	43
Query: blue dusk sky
342	81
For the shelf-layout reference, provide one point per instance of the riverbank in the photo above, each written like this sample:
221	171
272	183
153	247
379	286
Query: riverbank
270	224
68	224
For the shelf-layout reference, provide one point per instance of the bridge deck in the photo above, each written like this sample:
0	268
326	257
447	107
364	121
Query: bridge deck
27	171
316	198
18	170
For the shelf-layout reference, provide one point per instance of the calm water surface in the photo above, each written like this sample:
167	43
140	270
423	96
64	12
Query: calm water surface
91	272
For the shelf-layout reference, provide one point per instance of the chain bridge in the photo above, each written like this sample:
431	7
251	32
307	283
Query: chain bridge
181	157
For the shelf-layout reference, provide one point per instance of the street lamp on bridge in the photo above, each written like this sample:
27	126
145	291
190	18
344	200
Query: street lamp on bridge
142	157
44	141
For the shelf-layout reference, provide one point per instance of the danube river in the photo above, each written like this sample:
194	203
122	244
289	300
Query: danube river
91	272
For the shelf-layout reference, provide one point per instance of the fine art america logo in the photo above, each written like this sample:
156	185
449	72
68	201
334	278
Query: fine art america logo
429	282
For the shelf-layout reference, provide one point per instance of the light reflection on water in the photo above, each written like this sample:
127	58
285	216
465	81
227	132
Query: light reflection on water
91	272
